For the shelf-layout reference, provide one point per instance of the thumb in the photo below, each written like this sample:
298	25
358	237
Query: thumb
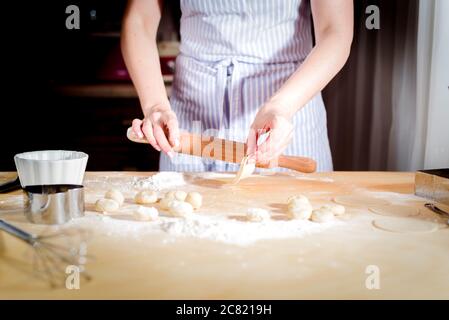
251	142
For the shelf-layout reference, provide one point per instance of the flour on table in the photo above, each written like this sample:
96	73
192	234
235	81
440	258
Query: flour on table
396	198
360	200
306	177
405	225
395	210
215	228
160	181
214	175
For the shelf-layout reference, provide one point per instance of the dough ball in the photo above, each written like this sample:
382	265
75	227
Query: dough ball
322	215
337	209
195	199
179	208
257	214
165	202
106	205
295	201
145	197
177	195
116	195
170	195
145	213
180	195
301	211
300	198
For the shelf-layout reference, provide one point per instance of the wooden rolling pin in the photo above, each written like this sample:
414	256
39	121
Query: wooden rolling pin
229	151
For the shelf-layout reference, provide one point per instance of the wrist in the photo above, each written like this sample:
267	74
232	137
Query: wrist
153	107
280	107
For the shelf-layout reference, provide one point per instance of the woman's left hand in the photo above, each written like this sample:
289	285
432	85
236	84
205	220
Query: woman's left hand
270	118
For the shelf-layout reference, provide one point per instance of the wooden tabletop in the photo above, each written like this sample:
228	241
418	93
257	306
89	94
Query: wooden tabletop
336	263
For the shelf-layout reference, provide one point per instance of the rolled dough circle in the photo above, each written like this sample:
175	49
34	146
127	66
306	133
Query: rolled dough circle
405	225
395	210
360	201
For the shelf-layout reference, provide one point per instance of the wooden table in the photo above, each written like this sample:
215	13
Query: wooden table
331	264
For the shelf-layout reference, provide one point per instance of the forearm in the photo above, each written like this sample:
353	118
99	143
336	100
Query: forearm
141	56
333	34
322	64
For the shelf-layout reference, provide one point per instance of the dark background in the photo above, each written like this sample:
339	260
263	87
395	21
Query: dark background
41	58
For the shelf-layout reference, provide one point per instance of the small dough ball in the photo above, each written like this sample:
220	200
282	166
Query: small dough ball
145	197
295	201
165	202
180	195
106	205
322	215
179	208
195	199
257	214
145	213
301	211
337	209
170	195
177	195
300	198
116	195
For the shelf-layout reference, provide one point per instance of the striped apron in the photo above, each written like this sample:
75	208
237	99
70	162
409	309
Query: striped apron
234	56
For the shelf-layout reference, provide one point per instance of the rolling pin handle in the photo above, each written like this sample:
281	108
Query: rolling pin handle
301	164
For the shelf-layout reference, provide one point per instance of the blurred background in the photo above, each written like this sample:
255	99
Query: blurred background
388	109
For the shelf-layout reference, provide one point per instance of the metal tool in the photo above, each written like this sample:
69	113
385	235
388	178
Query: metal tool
51	258
438	211
433	184
229	151
54	204
51	180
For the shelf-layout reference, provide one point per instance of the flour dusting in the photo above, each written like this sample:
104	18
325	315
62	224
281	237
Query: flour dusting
160	181
215	228
392	197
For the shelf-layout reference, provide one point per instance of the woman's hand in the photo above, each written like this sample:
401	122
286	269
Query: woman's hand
160	127
274	119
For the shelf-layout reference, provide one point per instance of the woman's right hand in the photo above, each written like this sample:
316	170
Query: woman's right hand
160	127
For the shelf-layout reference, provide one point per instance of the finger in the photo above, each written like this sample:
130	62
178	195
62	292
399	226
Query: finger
162	141
276	138
147	129
173	131
273	162
273	146
137	128
251	142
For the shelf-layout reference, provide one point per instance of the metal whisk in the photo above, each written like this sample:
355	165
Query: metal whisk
51	259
